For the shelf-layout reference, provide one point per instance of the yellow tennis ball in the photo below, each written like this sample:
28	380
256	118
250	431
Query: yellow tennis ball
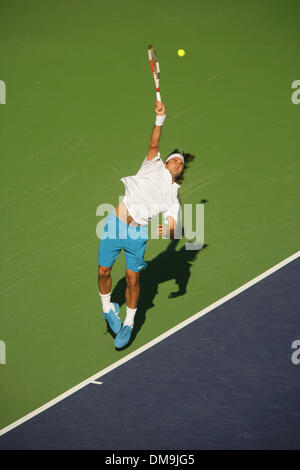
181	52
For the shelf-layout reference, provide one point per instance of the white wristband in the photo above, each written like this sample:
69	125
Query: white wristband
160	120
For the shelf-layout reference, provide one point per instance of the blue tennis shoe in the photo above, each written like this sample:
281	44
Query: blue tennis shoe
123	336
113	319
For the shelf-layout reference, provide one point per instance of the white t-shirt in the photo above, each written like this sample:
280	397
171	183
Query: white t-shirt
150	192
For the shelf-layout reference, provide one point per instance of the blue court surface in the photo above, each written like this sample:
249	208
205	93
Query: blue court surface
228	380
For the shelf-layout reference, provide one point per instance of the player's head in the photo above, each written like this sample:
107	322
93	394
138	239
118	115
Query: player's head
176	162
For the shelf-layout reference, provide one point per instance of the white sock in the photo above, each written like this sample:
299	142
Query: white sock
130	314
106	303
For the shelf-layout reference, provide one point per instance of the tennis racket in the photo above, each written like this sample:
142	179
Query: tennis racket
155	69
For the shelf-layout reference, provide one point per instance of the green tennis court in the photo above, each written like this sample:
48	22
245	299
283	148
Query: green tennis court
78	117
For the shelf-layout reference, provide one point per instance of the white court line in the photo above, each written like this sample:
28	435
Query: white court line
96	382
148	345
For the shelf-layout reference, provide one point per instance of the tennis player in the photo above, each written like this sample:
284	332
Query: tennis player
151	191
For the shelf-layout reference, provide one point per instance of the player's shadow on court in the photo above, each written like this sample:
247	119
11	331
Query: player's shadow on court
170	264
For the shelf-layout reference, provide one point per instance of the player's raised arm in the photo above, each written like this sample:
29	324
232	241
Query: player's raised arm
160	111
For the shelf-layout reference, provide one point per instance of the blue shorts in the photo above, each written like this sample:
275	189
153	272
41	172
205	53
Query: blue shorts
116	235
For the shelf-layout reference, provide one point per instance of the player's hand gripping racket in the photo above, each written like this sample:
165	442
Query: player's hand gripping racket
155	69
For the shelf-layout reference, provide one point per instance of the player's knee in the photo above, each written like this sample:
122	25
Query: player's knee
103	272
132	279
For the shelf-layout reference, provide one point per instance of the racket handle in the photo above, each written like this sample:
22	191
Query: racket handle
158	96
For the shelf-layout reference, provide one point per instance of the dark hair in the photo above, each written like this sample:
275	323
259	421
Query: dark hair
188	158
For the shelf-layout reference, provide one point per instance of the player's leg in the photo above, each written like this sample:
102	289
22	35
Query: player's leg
134	254
132	291
132	294
110	310
104	279
109	250
104	284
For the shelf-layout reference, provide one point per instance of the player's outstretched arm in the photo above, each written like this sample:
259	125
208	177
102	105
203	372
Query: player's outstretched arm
160	110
